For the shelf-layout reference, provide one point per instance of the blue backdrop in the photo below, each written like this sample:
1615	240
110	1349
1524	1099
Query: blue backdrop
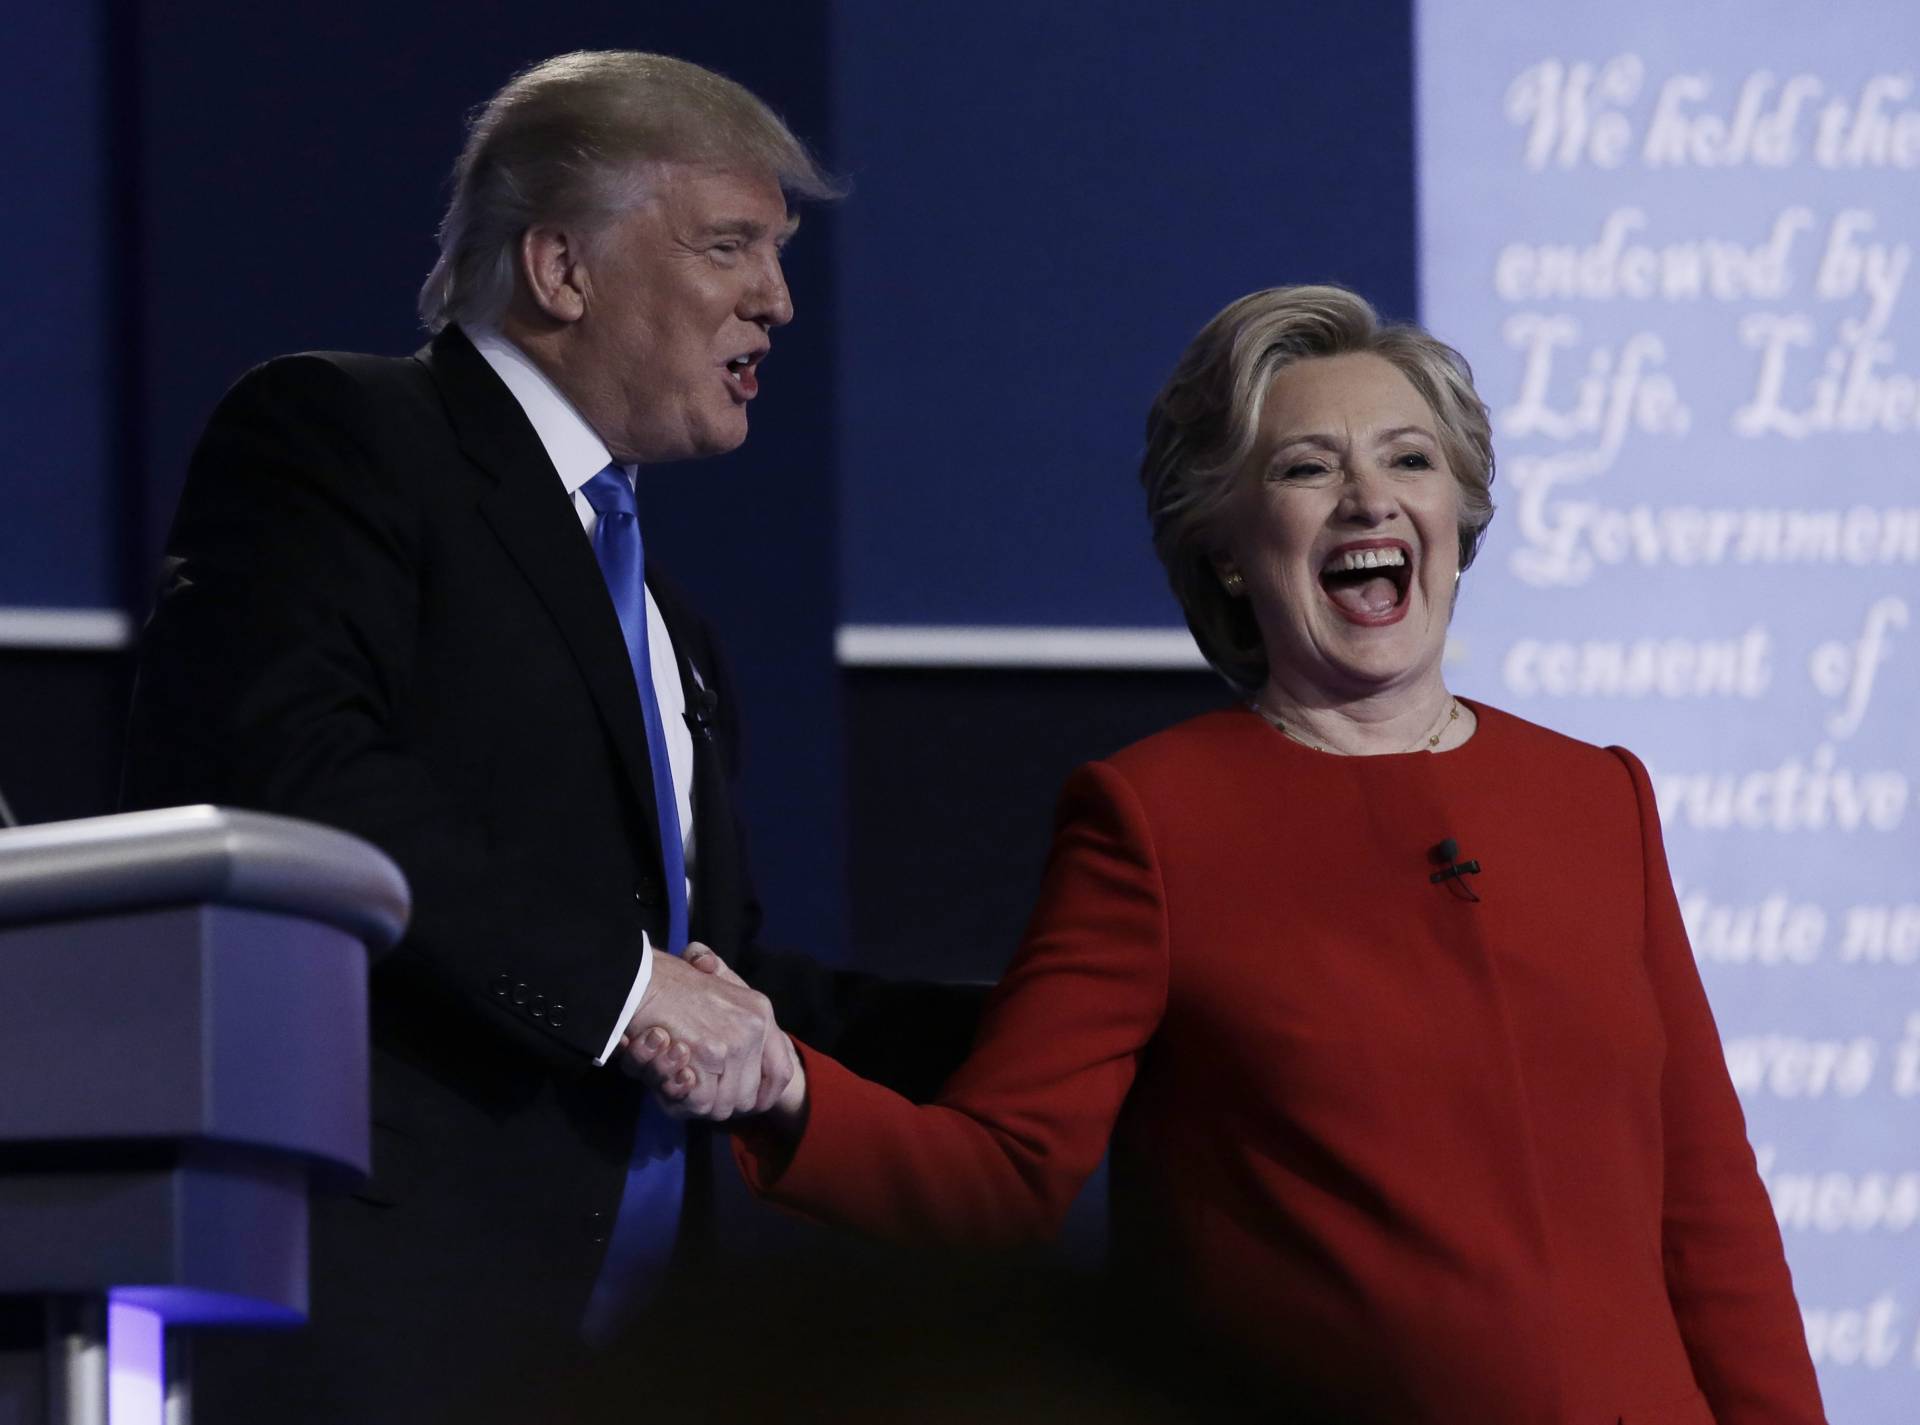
1049	200
62	513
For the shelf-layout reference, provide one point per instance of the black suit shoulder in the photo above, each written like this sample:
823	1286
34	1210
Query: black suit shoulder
380	416
339	634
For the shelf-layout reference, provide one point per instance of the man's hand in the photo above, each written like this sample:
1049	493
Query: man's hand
706	1040
782	1102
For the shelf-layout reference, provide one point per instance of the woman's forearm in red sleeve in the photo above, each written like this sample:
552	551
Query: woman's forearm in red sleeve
1022	1123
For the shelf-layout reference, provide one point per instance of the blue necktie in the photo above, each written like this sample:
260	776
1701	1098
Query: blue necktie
643	1232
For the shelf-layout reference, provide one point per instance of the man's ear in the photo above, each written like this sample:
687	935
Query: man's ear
553	271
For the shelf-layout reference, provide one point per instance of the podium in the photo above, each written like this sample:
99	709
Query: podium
183	1057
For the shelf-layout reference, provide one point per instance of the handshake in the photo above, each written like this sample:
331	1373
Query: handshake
707	1043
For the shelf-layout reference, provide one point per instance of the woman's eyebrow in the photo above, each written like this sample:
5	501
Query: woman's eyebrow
1325	442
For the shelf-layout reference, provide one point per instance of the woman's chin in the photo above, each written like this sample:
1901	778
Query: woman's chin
1356	660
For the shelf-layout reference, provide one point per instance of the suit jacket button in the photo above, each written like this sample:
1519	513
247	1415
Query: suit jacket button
556	1014
501	986
520	993
538	1009
647	890
596	1224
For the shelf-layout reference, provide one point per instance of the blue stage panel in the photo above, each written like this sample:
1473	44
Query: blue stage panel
59	492
1048	202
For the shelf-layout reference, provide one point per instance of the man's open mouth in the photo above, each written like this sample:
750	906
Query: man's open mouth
743	371
1369	582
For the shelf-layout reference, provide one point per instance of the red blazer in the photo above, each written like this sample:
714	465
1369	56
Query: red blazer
1435	1159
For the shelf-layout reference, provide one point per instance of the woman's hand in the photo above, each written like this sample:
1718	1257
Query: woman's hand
656	1057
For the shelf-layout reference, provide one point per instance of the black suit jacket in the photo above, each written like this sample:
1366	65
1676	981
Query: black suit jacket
378	611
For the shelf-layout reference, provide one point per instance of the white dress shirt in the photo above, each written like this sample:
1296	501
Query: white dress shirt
579	455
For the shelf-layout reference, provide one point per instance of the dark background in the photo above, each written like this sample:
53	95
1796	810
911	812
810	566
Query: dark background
1047	201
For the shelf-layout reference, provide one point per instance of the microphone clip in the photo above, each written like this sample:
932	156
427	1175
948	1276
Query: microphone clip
1453	871
700	714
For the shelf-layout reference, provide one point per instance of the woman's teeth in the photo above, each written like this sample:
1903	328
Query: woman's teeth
1366	559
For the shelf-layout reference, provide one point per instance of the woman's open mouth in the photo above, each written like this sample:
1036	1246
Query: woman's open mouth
1368	581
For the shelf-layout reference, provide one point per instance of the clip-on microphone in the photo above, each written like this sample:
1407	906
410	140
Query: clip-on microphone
1452	869
700	714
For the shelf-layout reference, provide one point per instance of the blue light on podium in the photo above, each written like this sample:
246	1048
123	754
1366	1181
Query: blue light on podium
136	1365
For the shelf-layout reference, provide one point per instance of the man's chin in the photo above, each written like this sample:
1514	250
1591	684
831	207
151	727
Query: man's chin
722	436
698	444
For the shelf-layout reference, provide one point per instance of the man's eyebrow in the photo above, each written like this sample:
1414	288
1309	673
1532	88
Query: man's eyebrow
733	227
752	229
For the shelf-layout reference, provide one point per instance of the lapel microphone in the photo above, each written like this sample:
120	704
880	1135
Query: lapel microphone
1446	855
700	713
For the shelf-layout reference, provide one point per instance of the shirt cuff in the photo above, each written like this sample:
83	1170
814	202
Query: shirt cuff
641	979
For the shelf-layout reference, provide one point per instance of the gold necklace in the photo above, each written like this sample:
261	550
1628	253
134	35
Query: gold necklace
1427	740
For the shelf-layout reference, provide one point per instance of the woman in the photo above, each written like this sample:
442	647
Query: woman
1440	1143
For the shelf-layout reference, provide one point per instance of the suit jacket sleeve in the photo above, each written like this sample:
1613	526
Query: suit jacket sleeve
1019	1127
1726	1275
275	674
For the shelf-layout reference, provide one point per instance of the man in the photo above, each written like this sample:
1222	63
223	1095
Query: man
403	597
